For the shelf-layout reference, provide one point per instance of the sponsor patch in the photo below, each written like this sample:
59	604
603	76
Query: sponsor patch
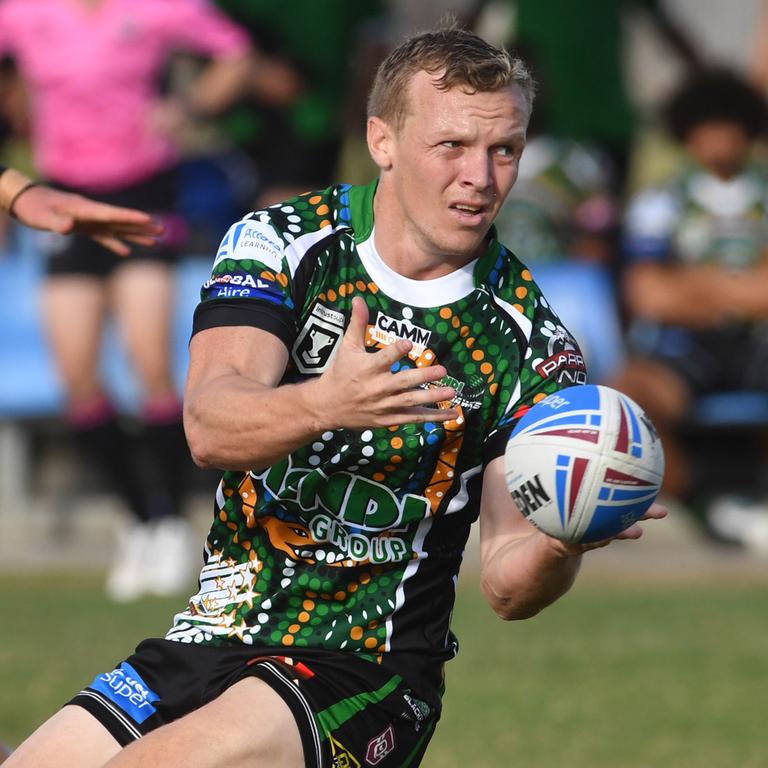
566	366
242	285
318	340
387	330
342	757
380	746
252	240
417	709
468	396
125	688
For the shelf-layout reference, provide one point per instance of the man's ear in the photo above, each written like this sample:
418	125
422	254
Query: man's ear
380	142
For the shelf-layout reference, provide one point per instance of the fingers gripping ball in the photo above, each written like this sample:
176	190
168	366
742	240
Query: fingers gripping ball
584	464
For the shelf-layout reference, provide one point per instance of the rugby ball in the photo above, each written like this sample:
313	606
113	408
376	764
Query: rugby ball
584	464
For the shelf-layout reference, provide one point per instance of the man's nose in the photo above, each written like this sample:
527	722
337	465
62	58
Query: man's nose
477	171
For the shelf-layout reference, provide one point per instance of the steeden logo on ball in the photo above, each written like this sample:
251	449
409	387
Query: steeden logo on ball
584	464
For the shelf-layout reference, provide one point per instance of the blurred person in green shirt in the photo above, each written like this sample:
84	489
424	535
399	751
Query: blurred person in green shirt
296	144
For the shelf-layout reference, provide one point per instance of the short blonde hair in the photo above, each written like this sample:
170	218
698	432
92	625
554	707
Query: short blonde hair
462	59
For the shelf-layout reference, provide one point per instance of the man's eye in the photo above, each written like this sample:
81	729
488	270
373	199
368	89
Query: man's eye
451	144
506	151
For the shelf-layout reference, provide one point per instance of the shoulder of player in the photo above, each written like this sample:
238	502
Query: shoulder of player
512	281
282	234
302	215
513	287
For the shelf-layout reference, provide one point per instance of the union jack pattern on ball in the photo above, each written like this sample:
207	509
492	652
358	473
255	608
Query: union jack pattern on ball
584	464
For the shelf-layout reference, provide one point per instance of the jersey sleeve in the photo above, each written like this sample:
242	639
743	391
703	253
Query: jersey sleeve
199	27
250	283
551	361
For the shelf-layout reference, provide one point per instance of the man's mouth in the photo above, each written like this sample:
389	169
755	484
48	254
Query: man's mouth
470	210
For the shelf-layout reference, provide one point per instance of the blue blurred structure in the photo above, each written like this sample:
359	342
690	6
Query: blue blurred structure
741	408
29	384
28	380
30	390
584	297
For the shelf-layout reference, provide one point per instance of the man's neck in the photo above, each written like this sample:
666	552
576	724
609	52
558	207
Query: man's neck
405	251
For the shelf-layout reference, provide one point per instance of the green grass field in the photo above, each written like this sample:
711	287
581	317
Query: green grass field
623	676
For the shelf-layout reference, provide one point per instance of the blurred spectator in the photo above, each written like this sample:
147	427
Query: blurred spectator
100	127
758	63
561	219
562	206
696	275
578	53
296	146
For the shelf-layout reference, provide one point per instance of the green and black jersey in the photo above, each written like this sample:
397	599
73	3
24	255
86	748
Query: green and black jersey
354	541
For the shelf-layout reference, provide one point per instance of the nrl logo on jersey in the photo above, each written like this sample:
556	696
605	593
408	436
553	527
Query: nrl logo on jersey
467	396
319	339
387	330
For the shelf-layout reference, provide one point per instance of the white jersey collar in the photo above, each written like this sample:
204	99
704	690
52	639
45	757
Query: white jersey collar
417	293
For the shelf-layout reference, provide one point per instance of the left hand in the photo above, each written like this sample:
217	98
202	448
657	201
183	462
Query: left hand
635	531
113	227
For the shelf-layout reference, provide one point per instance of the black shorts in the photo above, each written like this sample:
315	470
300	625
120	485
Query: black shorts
79	255
731	358
350	710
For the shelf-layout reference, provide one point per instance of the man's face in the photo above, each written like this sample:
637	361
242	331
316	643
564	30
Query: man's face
452	163
719	146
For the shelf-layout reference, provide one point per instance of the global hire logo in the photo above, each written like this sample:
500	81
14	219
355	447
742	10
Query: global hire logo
387	330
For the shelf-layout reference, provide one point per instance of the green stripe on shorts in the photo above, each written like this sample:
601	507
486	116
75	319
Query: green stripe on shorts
336	715
416	751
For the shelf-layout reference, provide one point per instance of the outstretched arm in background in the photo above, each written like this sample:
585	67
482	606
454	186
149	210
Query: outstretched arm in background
41	207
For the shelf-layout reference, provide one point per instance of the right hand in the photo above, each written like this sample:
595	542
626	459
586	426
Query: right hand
359	390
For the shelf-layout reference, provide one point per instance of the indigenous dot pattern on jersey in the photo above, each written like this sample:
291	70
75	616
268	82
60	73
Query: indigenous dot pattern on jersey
327	548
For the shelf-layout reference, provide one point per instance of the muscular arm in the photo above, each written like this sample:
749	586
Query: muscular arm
237	417
523	569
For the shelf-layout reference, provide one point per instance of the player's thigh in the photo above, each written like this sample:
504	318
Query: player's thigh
142	295
248	725
74	308
72	737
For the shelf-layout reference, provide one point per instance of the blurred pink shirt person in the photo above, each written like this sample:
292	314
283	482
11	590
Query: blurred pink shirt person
93	73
